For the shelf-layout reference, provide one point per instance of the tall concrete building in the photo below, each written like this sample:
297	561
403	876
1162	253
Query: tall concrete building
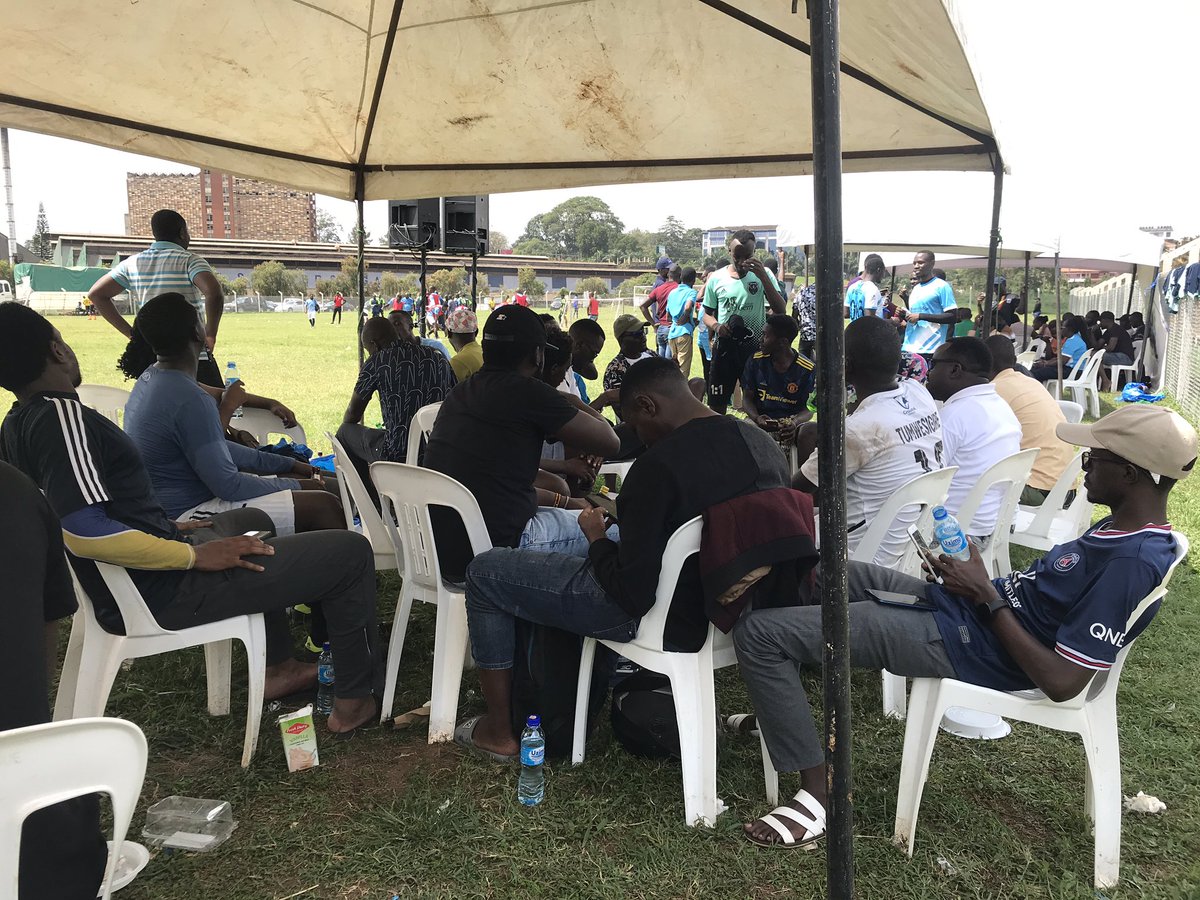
217	204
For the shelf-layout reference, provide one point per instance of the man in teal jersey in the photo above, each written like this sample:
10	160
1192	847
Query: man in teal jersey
931	308
735	301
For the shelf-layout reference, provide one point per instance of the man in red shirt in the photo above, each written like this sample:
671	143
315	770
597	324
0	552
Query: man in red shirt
338	302
520	299
654	308
593	306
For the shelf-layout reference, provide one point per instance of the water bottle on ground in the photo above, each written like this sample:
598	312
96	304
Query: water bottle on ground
231	375
325	681
949	534
531	786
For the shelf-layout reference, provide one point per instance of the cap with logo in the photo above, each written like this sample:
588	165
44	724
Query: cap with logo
1151	437
664	262
516	325
462	321
626	323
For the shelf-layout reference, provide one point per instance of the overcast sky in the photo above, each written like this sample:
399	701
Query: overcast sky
1093	102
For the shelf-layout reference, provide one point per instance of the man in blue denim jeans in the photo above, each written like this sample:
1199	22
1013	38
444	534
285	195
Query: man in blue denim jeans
605	594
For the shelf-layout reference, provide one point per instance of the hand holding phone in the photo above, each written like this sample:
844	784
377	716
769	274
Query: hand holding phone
926	553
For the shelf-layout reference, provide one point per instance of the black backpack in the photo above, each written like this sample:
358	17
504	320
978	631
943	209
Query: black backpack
545	676
643	715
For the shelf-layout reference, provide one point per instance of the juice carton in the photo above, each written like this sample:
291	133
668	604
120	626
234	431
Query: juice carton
299	739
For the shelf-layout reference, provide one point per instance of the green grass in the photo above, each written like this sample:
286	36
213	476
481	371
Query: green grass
386	813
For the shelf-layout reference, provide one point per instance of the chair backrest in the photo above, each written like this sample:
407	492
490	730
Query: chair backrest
134	613
1037	346
1108	681
1079	512
925	491
108	401
406	493
359	500
684	543
1076	373
263	423
1012	471
1072	410
47	764
419	431
1091	372
1139	352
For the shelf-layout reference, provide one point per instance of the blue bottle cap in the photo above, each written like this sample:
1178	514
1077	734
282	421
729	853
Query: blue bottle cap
939	512
534	721
325	646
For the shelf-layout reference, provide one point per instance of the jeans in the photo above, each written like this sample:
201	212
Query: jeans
364	446
774	644
557	531
551	589
660	336
1113	358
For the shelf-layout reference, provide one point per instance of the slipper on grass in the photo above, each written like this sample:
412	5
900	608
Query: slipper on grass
812	820
464	736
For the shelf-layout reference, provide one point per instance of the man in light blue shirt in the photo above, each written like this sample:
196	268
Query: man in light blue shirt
930	308
1073	347
681	310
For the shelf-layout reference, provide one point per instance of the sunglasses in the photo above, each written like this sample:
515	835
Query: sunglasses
1088	457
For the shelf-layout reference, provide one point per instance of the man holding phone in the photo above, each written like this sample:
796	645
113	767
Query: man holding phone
1051	627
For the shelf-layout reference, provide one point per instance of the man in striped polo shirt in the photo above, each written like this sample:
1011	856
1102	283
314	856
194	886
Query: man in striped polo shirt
167	265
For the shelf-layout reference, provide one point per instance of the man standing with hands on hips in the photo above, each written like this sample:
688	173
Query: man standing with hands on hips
735	302
931	308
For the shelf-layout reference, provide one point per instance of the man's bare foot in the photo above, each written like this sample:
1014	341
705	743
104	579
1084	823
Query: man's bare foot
350	713
290	677
495	736
761	832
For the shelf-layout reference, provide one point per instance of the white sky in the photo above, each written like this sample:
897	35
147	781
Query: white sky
1093	102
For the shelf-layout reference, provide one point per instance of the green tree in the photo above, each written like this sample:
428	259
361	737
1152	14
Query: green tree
448	282
226	286
39	245
578	228
497	242
6	272
683	244
392	284
633	246
329	231
273	277
528	284
625	288
535	247
240	285
592	285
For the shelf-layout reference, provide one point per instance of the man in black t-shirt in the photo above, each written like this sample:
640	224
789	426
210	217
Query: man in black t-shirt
488	436
1115	344
62	851
605	594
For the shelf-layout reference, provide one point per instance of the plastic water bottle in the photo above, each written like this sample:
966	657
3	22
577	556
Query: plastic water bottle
531	786
949	534
231	375
325	681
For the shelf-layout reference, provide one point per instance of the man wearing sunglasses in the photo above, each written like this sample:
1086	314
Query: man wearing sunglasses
1052	626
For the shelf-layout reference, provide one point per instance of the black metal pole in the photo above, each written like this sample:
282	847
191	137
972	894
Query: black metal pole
422	328
1132	282
474	279
831	443
1025	301
892	286
1058	316
993	244
359	185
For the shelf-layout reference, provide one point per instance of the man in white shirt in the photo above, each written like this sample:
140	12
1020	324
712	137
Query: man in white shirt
978	428
863	297
893	435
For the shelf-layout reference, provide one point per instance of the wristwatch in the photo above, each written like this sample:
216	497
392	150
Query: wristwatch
987	611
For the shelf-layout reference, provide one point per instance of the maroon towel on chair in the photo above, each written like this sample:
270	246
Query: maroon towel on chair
757	548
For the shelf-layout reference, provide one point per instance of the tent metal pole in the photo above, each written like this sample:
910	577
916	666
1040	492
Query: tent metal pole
359	183
422	328
1132	281
892	286
8	198
1025	301
993	245
1058	316
831	443
474	279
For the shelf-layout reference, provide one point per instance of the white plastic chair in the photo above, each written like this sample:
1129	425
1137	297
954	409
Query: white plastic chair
1092	714
420	429
1031	354
1116	373
1072	411
108	401
1011	472
94	655
356	499
407	492
1046	526
47	764
1083	382
263	423
925	491
691	676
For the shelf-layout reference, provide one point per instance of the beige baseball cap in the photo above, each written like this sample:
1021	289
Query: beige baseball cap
1152	437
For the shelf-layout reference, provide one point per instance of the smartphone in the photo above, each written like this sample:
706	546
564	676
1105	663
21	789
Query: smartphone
925	552
888	598
261	535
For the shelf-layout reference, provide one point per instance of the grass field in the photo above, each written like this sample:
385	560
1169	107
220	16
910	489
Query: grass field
387	814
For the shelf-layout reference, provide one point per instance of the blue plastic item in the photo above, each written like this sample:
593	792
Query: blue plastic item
1137	393
323	462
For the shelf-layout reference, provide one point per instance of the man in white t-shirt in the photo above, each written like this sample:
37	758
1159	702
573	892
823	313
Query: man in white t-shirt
892	436
978	428
863	297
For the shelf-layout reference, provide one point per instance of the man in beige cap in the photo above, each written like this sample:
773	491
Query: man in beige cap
630	332
1052	626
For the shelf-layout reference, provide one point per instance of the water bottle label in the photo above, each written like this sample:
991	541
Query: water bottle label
954	543
325	674
532	756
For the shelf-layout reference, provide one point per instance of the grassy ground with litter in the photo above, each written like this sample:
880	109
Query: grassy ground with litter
388	814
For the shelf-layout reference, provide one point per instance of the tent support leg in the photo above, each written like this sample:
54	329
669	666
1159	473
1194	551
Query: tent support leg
1025	301
474	279
831	454
359	191
1058	314
1132	282
993	245
422	327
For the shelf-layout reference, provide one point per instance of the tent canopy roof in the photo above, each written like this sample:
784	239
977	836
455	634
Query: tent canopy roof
436	97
